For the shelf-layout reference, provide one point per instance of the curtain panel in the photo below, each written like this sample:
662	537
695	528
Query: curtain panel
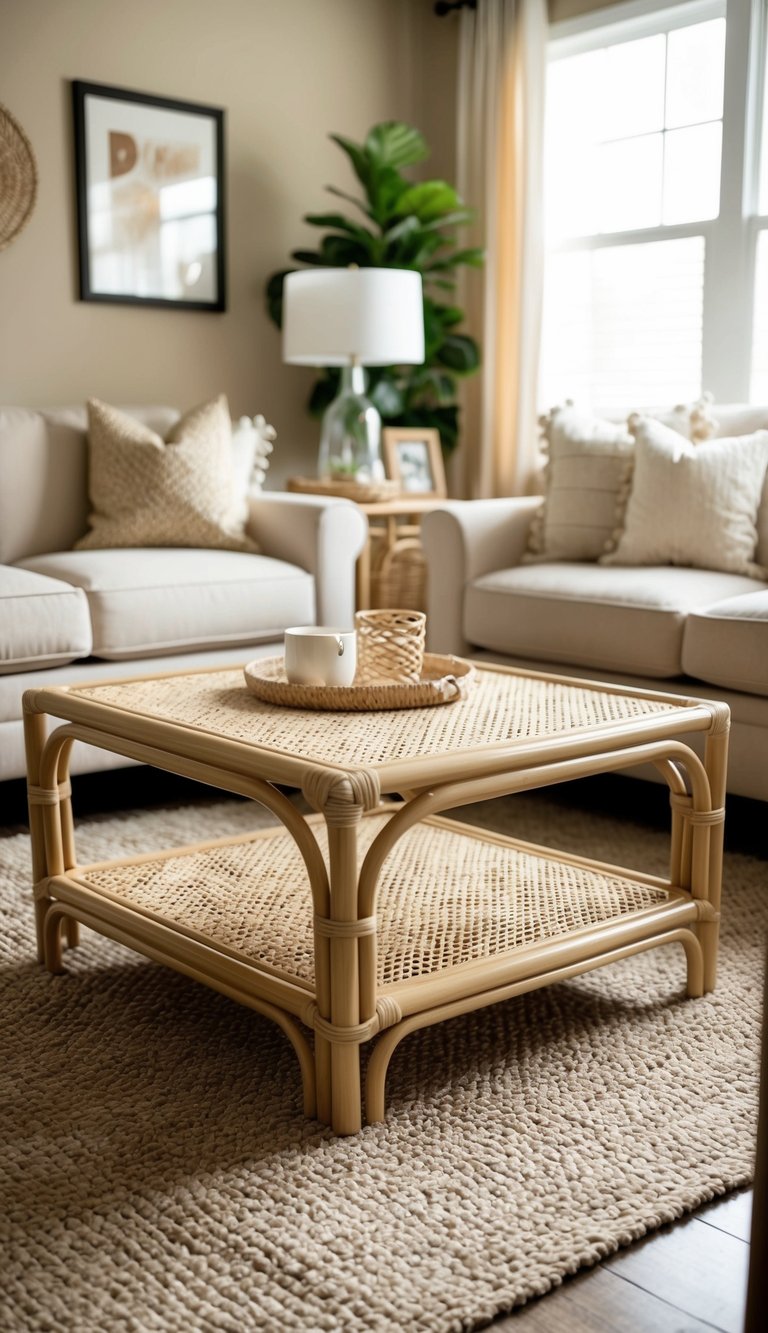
500	144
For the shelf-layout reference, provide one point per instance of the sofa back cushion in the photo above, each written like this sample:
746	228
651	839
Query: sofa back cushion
44	476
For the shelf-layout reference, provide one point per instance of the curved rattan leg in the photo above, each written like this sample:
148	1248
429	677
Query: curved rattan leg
54	918
709	938
378	1064
42	906
694	957
387	1043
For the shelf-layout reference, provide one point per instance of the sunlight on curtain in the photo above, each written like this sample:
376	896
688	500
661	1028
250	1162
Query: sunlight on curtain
502	71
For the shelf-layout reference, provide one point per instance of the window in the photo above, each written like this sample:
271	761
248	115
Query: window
656	207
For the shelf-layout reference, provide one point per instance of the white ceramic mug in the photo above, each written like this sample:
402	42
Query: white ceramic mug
319	655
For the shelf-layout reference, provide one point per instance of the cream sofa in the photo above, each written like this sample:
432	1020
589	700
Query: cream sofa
681	630
69	615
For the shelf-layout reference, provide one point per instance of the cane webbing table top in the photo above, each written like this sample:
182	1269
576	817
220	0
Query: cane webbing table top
449	897
504	707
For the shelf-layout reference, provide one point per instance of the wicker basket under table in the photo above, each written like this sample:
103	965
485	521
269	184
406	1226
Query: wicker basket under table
377	916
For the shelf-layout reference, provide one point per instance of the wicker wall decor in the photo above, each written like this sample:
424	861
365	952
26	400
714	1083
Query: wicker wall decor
18	178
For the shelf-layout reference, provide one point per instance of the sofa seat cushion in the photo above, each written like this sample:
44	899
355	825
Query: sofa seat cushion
145	602
606	618
43	622
727	643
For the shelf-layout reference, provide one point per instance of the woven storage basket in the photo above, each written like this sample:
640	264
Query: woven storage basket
399	575
390	645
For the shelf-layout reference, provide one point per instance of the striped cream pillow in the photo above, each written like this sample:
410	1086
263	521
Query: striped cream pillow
146	491
586	467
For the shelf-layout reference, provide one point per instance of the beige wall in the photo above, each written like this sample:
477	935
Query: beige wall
288	72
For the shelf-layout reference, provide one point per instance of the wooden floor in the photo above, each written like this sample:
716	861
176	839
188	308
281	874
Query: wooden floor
685	1278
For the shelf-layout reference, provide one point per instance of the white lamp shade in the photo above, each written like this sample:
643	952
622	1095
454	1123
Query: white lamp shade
333	316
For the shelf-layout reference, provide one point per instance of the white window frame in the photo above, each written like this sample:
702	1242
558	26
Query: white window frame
730	240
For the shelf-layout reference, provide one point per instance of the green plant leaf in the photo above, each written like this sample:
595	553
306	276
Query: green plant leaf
450	315
415	248
273	295
308	257
357	156
323	392
339	222
459	353
406	227
393	144
428	201
439	383
458	219
351	199
475	257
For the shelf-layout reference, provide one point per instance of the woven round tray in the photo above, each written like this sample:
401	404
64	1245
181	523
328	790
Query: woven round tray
362	492
443	680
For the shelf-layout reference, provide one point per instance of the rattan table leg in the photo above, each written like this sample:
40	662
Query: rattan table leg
58	823
34	742
716	764
346	1111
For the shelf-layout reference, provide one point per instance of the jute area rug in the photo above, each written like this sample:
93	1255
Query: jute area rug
157	1173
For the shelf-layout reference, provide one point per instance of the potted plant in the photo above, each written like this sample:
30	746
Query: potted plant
409	226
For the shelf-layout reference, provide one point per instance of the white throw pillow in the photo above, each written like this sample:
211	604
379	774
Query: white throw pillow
692	504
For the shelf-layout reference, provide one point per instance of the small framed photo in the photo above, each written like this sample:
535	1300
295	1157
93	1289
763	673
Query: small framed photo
150	199
413	457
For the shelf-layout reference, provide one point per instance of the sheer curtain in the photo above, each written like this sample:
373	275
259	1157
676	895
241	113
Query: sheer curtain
502	72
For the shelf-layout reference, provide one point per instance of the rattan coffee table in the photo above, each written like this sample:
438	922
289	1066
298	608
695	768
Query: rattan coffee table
377	915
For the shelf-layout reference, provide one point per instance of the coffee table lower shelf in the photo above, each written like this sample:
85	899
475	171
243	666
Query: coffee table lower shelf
463	918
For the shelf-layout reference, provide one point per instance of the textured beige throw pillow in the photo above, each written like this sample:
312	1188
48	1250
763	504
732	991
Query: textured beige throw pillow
147	491
693	504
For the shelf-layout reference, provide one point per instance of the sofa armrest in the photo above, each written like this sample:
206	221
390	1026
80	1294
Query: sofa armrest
320	534
462	540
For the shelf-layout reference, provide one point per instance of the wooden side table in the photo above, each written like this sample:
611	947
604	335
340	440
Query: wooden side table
394	526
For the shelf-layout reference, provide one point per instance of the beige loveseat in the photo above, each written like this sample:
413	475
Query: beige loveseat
68	615
687	630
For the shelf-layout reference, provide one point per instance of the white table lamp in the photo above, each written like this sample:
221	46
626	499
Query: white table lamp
352	317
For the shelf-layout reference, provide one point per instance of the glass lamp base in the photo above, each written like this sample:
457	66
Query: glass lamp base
350	443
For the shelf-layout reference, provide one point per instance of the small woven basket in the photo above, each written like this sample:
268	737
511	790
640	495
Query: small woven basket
399	575
390	645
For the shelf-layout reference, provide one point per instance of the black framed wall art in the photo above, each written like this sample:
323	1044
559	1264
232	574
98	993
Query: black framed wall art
150	199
